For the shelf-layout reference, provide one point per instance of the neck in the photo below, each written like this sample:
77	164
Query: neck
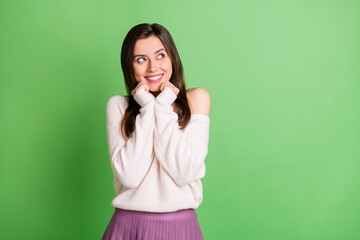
155	93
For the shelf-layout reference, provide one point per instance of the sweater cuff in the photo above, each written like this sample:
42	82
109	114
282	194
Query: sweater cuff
142	97
166	97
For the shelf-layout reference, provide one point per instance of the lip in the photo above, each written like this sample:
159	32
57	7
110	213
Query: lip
153	75
154	81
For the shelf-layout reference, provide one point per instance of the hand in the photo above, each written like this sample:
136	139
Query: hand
142	84
171	86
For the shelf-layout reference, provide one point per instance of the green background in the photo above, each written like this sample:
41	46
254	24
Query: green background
283	76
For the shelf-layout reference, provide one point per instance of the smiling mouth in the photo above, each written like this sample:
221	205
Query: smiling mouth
154	77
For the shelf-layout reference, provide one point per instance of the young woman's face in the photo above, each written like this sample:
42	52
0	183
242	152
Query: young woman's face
151	62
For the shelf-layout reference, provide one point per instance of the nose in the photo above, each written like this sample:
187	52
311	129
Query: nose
152	66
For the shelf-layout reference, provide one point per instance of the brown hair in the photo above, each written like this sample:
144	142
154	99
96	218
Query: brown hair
142	31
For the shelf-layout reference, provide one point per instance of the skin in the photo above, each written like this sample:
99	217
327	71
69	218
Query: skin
151	60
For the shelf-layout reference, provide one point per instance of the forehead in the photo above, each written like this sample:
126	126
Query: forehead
147	46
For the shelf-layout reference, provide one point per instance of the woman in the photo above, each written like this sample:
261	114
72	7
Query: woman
158	140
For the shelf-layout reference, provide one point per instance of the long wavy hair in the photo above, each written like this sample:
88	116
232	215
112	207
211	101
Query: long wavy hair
143	31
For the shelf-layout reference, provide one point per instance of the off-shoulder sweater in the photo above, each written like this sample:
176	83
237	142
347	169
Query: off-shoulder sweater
158	169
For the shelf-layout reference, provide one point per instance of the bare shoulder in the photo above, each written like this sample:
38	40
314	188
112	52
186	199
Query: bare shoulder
199	100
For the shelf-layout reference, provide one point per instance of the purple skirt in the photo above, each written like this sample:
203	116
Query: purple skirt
138	225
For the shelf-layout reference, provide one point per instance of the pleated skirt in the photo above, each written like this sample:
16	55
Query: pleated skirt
138	225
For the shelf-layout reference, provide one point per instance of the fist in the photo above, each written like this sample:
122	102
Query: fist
169	85
142	84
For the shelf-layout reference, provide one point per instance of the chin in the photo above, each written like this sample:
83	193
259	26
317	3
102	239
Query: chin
155	88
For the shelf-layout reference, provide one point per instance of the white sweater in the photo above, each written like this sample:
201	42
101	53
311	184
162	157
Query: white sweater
158	169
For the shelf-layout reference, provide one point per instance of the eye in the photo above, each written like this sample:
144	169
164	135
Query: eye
161	55
140	60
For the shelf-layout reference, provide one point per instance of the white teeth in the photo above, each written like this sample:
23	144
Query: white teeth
154	78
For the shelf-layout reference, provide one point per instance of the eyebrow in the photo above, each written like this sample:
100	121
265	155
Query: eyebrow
140	55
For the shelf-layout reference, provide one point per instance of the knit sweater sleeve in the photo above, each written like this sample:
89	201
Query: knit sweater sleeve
181	153
131	159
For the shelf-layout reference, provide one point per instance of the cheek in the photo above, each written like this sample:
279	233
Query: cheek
168	67
138	71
